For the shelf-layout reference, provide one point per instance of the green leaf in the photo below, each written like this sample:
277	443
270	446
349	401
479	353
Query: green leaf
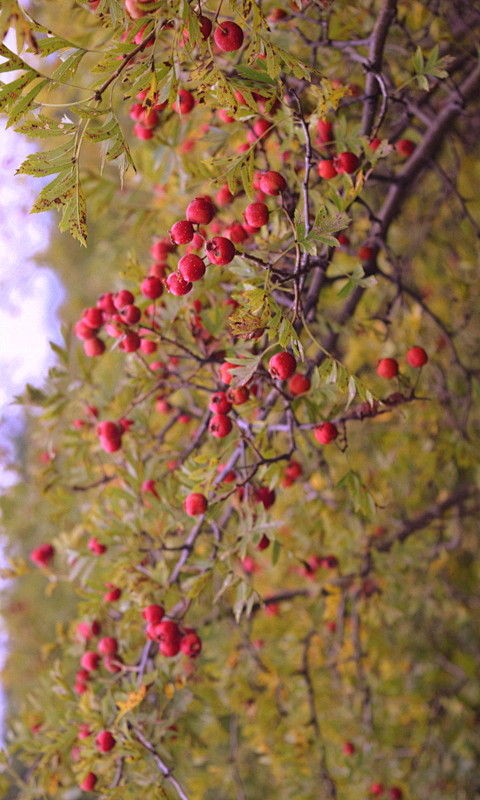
21	108
43	127
12	91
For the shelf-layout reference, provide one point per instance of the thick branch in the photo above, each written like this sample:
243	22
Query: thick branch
375	57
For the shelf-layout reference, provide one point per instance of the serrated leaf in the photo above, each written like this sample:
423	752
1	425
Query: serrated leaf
13	91
133	700
21	108
68	68
13	61
43	127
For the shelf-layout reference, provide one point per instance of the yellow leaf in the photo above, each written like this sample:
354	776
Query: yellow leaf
134	699
169	690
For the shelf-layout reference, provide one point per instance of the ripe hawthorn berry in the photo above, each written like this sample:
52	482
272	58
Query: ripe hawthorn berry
405	147
325	433
191	644
93	347
220	250
387	368
219	403
298	384
184	103
90	660
348	748
132	314
376	789
130	343
228	36
123	298
195	504
182	232
225	374
108	646
282	365
326	169
220	425
346	162
151	287
177	285
272	183
256	214
200	211
89	782
238	396
42	555
417	357
395	793
105	741
153	613
191	267
324	131
265	496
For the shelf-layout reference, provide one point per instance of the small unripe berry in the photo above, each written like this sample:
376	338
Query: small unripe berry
228	36
220	425
272	183
282	365
417	357
387	368
325	433
195	504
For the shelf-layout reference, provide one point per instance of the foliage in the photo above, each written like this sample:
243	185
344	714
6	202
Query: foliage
331	583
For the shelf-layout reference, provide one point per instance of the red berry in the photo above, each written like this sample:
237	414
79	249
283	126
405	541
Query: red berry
256	214
131	314
42	555
326	169
89	660
108	646
374	145
405	147
272	183
237	233
325	433
346	162
191	644
205	26
263	543
93	347
88	783
95	546
151	287
141	132
169	649
265	496
366	253
195	504
122	299
153	613
376	789
200	211
298	384
220	250
219	403
220	425
417	357
113	594
228	36
387	368
224	196
282	365
93	317
177	285
225	374
130	343
348	748
184	103
261	127
238	396
191	267
293	470
395	793
325	131
182	232
105	741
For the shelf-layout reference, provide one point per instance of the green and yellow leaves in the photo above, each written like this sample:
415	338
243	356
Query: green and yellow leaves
434	67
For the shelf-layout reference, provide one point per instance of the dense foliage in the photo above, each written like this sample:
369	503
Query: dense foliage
245	540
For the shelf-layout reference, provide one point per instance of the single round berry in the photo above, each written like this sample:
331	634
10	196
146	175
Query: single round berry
346	162
90	660
153	613
256	214
405	147
195	504
177	285
184	103
220	250
93	347
151	287
298	384
387	368
228	36
108	646
122	299
89	782
324	131
200	211
105	741
325	433
130	343
191	267
282	365
220	425
348	748
238	396
225	374
42	555
219	403
132	314
191	644
182	232
326	169
376	789
265	496
417	357
272	183
205	26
